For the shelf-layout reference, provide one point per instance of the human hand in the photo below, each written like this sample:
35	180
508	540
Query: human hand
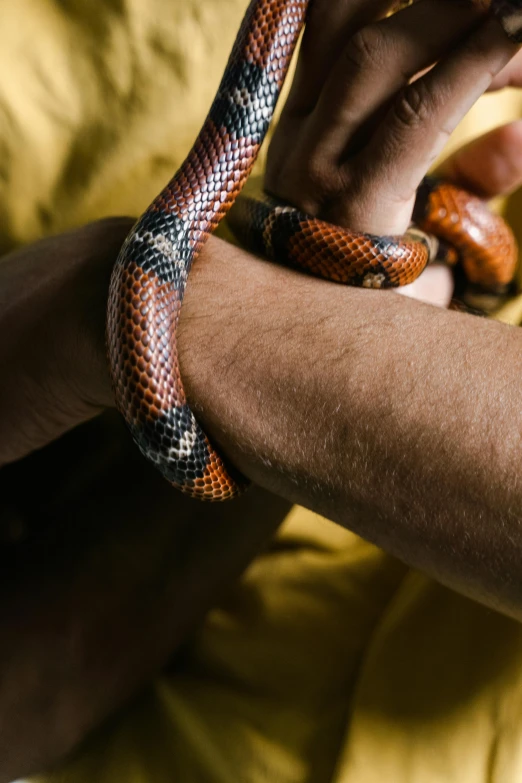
66	662
357	134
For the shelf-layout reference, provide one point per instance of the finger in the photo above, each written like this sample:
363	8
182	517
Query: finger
329	25
420	122
510	76
434	286
509	14
490	165
379	60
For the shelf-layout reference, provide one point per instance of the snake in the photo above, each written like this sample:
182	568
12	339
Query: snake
150	275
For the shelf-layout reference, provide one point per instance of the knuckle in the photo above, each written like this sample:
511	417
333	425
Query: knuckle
477	52
414	106
304	184
367	48
478	46
323	183
317	174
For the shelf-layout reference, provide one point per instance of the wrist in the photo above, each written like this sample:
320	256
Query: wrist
245	366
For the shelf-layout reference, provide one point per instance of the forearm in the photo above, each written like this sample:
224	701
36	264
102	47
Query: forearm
396	419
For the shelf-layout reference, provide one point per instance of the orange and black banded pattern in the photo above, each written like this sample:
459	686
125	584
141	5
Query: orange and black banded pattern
150	275
451	225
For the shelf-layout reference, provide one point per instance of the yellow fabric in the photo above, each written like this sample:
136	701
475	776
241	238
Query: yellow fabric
330	661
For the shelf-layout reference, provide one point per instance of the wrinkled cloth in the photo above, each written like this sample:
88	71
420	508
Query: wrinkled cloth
329	661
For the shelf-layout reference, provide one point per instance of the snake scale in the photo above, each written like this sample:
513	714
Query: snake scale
150	274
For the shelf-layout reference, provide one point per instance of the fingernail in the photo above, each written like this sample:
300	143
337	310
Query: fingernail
509	14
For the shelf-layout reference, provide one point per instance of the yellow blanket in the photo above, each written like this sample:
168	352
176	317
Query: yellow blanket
331	661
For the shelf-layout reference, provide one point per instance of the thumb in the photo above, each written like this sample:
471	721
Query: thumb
490	165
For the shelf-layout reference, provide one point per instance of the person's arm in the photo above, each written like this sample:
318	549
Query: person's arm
330	396
398	420
401	421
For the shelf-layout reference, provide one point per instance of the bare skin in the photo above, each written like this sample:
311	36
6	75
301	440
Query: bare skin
397	419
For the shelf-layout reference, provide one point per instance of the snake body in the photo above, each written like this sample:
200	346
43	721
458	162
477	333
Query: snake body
150	274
